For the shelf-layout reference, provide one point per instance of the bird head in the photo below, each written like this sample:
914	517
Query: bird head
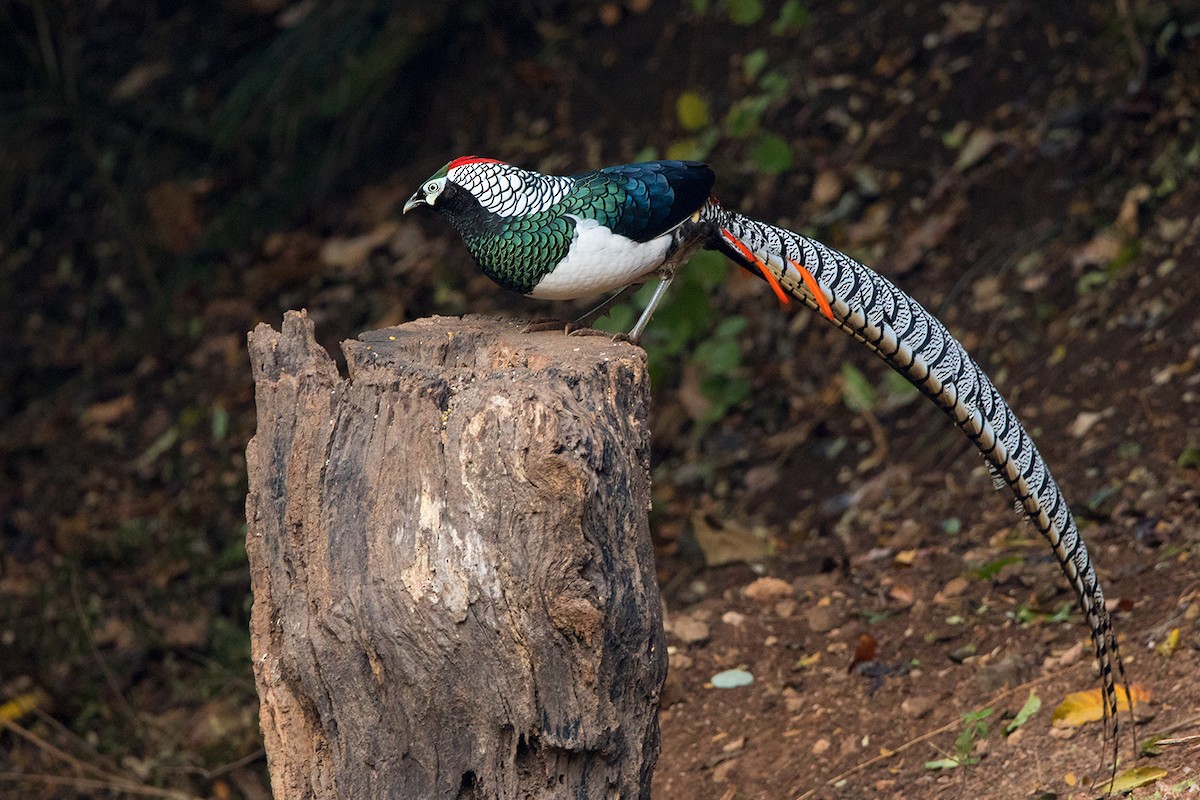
442	184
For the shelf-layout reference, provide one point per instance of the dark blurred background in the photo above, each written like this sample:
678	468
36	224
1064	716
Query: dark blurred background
173	172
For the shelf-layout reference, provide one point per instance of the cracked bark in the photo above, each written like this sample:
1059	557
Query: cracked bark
454	591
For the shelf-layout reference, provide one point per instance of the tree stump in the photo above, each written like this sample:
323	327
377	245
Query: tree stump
454	588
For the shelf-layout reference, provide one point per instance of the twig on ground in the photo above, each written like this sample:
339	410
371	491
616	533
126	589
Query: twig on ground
930	734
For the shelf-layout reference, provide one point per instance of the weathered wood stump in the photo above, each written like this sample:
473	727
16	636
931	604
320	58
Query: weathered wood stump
454	590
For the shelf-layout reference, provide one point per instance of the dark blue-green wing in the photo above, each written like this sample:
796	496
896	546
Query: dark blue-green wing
642	201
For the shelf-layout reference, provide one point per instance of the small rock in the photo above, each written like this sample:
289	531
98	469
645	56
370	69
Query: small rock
1071	655
820	746
785	608
902	593
955	587
680	661
733	618
731	679
768	590
761	478
1085	421
917	706
673	690
960	654
735	745
689	630
1063	733
822	619
1012	670
720	773
981	748
827	187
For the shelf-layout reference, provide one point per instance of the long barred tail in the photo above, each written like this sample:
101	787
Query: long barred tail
914	343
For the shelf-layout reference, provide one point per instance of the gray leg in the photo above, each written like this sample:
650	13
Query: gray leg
635	335
599	311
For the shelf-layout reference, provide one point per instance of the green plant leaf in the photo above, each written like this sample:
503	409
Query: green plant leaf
744	12
745	115
774	85
1033	704
898	390
793	15
992	568
685	150
772	154
857	392
1189	458
720	356
731	326
753	64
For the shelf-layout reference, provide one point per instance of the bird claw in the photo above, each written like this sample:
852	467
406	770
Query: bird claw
573	329
539	325
616	337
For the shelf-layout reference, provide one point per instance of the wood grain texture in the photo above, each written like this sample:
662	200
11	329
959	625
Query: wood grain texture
454	591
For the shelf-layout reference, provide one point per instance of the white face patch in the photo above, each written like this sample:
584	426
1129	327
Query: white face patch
509	191
432	189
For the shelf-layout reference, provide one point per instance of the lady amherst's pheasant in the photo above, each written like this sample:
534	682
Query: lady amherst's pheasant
565	237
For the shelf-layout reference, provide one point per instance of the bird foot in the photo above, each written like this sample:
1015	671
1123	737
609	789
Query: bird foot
574	329
539	325
616	337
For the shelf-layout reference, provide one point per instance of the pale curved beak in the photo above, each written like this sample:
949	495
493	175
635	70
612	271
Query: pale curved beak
417	199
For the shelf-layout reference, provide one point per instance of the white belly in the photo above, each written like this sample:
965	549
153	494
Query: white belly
600	261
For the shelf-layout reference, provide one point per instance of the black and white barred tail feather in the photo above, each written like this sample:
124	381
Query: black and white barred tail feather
914	343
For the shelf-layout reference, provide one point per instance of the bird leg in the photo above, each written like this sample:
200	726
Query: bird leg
581	326
690	237
585	321
635	335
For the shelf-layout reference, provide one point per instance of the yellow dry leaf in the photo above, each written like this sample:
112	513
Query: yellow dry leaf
905	558
1131	779
21	705
692	111
1167	646
1079	708
807	661
1070	779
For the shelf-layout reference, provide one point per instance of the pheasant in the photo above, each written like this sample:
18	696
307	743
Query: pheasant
567	237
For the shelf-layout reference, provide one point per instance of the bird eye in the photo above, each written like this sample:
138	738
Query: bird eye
431	187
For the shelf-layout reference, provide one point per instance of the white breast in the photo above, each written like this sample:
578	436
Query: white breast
601	261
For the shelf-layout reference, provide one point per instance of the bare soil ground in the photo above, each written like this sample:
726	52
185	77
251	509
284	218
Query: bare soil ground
1027	171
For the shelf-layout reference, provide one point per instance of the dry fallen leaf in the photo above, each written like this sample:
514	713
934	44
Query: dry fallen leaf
1167	646
978	144
1086	420
728	542
1131	206
1100	251
21	705
865	650
1131	779
928	235
1079	708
